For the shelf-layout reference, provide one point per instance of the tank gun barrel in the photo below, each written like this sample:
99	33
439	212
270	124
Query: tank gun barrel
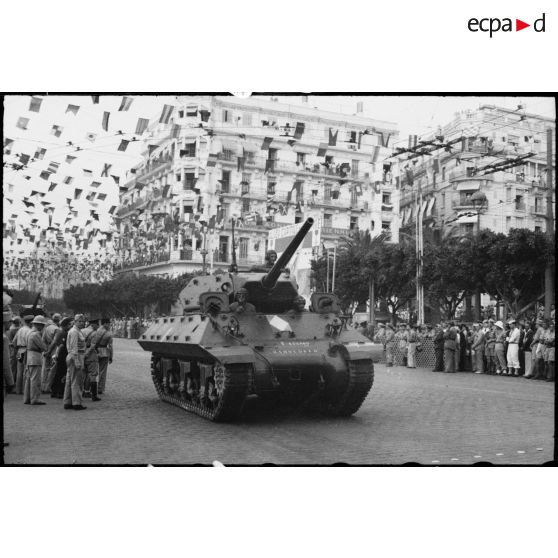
269	281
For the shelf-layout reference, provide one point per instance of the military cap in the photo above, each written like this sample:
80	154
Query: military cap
56	317
28	318
65	322
40	320
242	290
93	320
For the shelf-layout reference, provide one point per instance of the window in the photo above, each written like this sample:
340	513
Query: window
538	205
223	249
372	225
178	176
519	222
271	186
192	110
189	150
471	171
180	114
226	115
386	226
354	168
327	220
354	223
443	201
250	157
301	159
243	247
227	154
508	223
247	119
272	154
246	205
538	228
386	198
188	209
226	207
519	203
351	136
508	194
443	173
189	181
245	184
327	192
226	181
247	177
465	198
467	228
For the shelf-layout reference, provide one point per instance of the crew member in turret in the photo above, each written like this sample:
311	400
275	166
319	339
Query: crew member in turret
241	305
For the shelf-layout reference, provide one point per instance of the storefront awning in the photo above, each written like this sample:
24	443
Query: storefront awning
468	185
467	219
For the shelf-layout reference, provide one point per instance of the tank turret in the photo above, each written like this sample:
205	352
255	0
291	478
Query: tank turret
270	280
263	342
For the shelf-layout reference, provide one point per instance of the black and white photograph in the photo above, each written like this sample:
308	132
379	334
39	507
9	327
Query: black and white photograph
278	279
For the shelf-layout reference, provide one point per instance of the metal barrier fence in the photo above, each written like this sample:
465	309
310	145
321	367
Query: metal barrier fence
425	356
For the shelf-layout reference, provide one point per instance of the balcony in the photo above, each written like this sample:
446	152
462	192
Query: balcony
334	231
464	204
130	208
153	168
311	170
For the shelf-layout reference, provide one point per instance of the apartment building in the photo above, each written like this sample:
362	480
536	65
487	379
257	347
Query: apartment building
218	163
460	191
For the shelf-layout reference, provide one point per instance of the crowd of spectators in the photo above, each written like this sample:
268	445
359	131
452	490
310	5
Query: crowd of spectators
518	348
51	276
130	327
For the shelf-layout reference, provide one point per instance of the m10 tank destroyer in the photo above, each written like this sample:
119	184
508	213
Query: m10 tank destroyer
220	352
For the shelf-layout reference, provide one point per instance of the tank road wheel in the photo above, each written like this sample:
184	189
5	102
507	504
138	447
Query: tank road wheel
358	382
221	398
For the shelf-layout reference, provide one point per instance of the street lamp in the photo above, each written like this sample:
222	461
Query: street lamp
479	201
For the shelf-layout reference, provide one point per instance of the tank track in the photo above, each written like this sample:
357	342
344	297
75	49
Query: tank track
235	385
359	382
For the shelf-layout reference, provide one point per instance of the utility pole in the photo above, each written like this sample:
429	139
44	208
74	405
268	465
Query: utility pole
419	254
327	271
371	296
333	272
549	272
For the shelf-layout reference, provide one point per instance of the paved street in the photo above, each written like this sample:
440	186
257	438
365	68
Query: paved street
410	415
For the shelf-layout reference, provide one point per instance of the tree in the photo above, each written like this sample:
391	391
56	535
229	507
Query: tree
514	265
395	275
127	294
449	272
356	262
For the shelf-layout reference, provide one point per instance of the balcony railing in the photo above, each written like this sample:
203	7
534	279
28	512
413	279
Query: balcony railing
317	169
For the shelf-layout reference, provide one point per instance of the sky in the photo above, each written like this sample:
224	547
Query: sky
411	114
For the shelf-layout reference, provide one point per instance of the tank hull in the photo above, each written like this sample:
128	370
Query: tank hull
210	365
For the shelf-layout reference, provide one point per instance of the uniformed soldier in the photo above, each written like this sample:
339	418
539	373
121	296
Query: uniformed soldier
11	333
6	364
270	258
75	344
58	353
20	343
48	335
242	306
103	340
35	349
91	360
